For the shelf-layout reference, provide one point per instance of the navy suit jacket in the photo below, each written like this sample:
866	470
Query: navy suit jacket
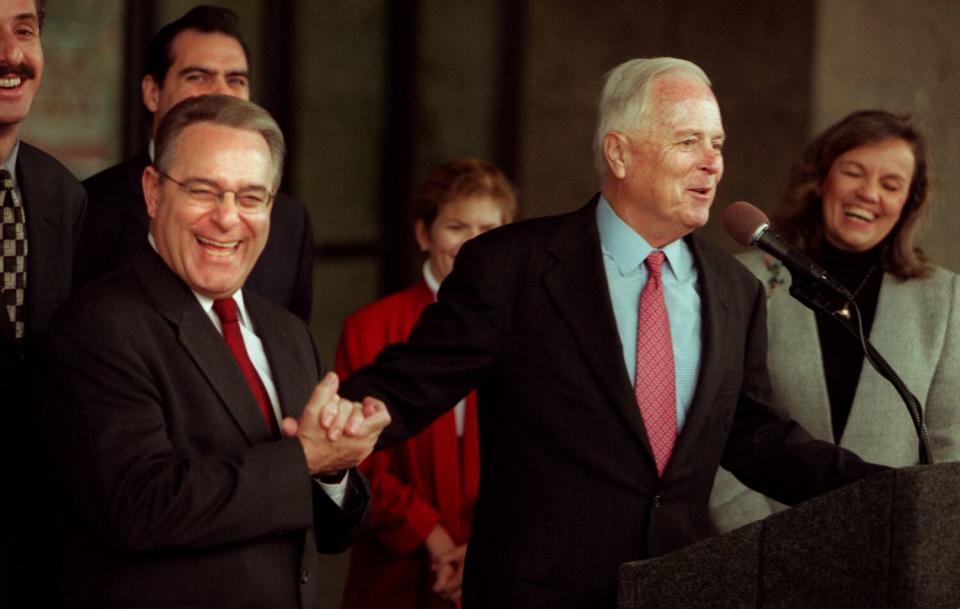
117	224
175	493
54	204
569	489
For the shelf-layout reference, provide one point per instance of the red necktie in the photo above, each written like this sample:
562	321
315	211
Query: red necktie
655	387
226	310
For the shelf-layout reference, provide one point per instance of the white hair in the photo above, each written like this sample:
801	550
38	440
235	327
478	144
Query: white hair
625	98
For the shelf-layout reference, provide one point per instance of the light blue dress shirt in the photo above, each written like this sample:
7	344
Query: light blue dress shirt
623	254
10	164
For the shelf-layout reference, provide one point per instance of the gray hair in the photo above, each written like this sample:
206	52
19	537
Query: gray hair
625	98
222	110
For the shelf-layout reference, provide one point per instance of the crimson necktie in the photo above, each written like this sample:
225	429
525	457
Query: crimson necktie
655	387
226	310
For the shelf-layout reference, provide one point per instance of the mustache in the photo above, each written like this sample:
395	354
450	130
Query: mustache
24	70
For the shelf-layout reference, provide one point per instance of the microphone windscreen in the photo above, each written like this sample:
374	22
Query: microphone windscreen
741	221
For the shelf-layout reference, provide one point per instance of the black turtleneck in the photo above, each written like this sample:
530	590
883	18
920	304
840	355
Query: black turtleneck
841	351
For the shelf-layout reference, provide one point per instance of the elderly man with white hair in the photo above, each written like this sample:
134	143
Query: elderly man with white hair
619	360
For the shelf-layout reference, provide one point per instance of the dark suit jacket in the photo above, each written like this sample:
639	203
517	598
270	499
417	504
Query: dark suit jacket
178	496
117	223
569	488
54	203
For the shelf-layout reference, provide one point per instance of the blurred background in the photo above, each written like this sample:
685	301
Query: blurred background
373	93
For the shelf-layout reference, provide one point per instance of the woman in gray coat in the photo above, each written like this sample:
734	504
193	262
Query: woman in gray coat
854	205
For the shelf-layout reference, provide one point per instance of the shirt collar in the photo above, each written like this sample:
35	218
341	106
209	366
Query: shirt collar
628	249
431	280
207	303
10	163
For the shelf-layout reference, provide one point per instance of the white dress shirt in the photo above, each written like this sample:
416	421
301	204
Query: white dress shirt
254	346
460	410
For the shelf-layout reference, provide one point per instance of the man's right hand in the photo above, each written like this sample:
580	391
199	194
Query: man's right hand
336	434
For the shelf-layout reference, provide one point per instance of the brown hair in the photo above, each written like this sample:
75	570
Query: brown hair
461	178
800	217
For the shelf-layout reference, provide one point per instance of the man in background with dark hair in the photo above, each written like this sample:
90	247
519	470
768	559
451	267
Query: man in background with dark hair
41	209
201	52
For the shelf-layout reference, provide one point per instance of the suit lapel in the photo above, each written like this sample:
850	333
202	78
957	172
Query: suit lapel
714	307
201	341
578	287
901	318
288	370
793	350
44	237
796	347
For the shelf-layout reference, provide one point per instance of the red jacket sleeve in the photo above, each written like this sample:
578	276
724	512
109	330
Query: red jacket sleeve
399	517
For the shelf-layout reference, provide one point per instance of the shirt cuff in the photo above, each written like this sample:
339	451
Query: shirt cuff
337	491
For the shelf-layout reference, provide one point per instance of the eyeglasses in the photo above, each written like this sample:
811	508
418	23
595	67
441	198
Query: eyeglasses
204	193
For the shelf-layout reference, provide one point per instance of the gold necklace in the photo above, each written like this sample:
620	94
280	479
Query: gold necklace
844	311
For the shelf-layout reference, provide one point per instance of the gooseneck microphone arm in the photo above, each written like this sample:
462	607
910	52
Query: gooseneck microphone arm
814	288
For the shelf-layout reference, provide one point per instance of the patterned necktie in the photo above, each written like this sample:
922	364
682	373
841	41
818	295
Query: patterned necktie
655	387
226	310
13	257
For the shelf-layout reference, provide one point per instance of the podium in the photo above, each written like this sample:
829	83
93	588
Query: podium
891	541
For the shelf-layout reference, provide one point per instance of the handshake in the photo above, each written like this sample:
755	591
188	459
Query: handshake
336	434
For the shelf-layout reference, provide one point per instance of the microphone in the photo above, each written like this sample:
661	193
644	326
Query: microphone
750	227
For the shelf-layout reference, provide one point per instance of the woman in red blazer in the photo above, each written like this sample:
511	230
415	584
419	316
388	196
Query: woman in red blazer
423	490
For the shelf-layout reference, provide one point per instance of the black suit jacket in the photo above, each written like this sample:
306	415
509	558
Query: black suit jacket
177	495
569	488
117	224
54	204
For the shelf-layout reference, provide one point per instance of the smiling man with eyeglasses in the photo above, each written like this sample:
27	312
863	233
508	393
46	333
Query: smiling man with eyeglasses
200	225
204	462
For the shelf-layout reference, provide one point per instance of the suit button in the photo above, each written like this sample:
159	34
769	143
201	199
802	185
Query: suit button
656	501
304	576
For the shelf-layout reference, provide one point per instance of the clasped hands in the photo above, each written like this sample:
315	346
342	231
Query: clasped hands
336	433
446	560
